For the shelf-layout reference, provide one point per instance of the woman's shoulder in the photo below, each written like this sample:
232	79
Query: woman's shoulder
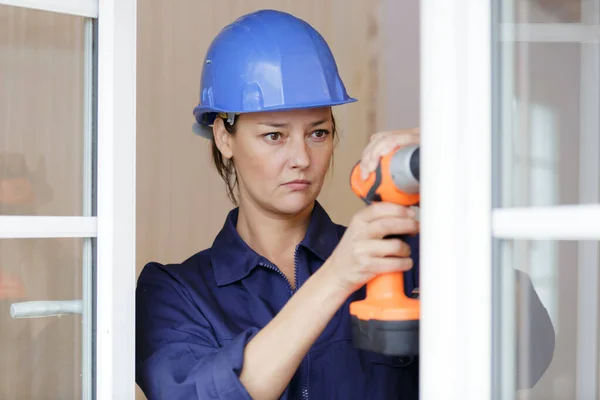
196	268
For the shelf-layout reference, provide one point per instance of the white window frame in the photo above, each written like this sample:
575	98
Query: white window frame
114	226
589	192
455	255
19	227
116	272
547	223
82	8
458	224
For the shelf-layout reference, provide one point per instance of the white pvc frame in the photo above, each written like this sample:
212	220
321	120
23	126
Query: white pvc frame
114	225
589	191
18	227
82	8
457	221
116	271
548	223
456	303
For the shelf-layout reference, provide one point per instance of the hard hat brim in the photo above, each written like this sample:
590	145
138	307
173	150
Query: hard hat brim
203	128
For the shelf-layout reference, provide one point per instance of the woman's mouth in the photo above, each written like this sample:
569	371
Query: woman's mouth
298	184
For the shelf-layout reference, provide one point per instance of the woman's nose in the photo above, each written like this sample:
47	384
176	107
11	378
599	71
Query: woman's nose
300	154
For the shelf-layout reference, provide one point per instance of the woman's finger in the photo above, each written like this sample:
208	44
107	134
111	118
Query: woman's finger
390	264
368	154
378	135
384	248
388	143
382	144
392	226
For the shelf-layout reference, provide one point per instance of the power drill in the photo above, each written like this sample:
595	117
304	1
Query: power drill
387	321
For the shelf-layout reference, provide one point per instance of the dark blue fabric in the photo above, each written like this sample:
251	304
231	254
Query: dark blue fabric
194	319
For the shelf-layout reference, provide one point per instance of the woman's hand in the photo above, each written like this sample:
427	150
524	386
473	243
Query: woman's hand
363	253
382	143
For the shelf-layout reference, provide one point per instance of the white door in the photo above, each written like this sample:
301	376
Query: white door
67	199
511	112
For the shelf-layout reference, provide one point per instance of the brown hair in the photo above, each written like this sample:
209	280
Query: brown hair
225	166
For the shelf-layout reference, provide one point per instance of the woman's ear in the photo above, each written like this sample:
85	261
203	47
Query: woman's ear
222	138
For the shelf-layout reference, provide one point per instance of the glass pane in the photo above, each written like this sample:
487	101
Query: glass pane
558	274
546	11
42	112
41	357
543	123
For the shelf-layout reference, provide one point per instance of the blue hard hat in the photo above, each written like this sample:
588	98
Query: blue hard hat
265	61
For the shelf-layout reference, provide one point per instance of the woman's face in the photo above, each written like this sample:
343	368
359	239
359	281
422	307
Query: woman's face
281	158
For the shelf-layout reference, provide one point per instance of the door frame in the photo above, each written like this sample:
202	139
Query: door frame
116	271
460	224
456	226
111	225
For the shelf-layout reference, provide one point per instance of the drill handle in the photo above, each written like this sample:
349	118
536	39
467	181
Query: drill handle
391	284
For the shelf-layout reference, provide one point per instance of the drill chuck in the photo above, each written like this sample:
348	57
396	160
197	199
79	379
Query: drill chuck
404	169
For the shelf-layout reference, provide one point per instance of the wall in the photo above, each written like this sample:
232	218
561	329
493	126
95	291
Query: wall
182	202
399	96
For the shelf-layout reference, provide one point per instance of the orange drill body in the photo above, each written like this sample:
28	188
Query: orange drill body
380	185
387	320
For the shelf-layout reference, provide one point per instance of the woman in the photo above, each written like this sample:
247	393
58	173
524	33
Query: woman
263	313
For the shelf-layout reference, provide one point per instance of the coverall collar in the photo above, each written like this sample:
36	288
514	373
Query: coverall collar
232	259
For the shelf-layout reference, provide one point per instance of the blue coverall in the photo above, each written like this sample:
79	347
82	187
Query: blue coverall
193	320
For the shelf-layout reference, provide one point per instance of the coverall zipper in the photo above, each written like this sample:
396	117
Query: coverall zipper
304	364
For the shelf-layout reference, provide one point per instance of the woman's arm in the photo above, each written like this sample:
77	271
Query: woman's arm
535	334
274	354
178	355
272	357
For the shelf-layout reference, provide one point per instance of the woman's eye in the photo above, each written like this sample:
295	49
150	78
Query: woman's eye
273	136
321	133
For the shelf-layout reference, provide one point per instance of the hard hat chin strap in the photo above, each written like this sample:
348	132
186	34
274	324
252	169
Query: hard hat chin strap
230	117
206	131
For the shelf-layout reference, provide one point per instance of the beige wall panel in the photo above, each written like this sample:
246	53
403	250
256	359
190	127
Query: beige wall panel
182	202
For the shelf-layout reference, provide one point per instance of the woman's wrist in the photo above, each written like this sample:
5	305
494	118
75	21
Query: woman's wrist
332	286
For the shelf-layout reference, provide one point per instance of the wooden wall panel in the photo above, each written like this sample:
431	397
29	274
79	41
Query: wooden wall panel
182	201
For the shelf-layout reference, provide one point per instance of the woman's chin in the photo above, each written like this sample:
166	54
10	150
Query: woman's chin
293	203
